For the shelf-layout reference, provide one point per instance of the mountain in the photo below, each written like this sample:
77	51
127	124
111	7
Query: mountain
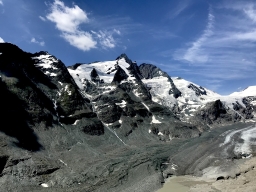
120	98
103	126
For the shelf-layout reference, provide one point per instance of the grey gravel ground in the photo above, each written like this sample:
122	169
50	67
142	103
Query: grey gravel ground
74	162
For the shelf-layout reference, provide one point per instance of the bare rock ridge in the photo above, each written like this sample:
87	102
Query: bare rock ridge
106	126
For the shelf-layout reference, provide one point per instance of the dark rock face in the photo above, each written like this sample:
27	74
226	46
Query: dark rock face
120	75
92	127
94	76
214	114
67	95
215	111
74	66
3	162
247	111
109	113
198	90
149	71
35	96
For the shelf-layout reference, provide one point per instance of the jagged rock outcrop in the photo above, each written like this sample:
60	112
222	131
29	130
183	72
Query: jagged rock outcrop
214	114
247	109
150	71
94	76
198	90
119	76
42	86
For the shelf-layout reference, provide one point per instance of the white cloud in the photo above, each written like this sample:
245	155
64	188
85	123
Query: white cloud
1	40
1	2
68	21
41	43
81	40
42	18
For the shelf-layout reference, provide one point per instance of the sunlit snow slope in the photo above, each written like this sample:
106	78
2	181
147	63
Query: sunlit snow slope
195	97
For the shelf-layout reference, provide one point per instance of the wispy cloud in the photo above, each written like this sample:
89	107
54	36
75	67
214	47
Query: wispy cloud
69	21
251	12
248	8
42	18
193	54
41	43
1	2
182	5
225	50
1	40
162	34
106	38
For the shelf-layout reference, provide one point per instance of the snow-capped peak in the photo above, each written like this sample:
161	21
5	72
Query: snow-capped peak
249	91
193	91
106	71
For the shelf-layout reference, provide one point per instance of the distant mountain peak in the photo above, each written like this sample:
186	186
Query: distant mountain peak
124	56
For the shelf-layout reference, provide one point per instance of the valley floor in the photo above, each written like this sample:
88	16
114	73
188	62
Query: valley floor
118	168
233	171
244	181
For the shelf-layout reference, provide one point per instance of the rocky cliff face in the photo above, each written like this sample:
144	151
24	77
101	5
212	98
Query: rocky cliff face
92	127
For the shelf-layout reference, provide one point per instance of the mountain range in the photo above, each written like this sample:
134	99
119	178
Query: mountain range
103	126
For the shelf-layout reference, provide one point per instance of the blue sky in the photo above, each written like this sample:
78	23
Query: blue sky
209	42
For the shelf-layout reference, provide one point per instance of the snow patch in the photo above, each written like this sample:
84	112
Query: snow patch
106	125
122	105
174	167
44	185
76	122
63	162
154	120
46	61
249	139
160	133
67	90
50	74
145	106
